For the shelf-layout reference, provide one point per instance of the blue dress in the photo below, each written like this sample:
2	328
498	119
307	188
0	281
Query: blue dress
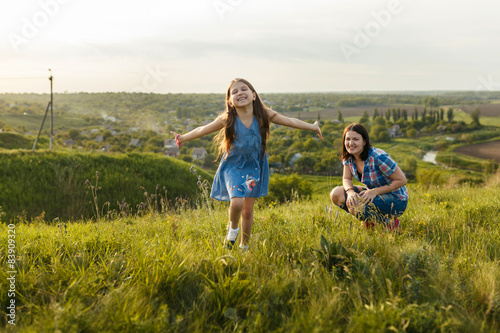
244	172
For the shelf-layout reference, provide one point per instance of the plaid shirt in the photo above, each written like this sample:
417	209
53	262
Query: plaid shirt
378	167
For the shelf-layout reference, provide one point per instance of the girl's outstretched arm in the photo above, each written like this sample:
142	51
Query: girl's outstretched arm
198	132
280	119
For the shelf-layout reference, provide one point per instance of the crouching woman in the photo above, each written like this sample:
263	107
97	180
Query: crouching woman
384	196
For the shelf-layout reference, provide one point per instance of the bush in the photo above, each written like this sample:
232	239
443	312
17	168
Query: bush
411	133
409	167
431	177
286	188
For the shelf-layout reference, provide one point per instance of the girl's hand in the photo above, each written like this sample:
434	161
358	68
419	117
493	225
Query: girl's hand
178	138
317	129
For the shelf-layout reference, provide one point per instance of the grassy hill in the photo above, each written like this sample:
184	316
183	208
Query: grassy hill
308	269
68	185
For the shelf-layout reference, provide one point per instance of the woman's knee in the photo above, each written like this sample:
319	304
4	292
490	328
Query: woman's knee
337	196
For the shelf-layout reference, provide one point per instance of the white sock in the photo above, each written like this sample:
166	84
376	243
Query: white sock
232	234
244	247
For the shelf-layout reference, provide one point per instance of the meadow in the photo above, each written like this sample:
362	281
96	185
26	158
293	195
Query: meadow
310	268
157	264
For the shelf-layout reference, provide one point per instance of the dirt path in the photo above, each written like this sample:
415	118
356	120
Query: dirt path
487	150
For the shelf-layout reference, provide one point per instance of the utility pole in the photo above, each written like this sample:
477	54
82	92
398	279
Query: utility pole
45	116
51	111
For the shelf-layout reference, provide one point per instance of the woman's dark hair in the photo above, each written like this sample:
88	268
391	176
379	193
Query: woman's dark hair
227	134
360	129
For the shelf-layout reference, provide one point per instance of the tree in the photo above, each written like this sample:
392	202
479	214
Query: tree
339	116
304	164
388	114
375	114
474	116
405	114
450	115
365	118
411	133
379	133
380	121
311	144
107	134
74	134
430	102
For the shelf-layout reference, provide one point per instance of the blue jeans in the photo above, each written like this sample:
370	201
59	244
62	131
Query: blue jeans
382	208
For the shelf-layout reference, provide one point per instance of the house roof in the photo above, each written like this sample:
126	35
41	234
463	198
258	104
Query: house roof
199	151
134	142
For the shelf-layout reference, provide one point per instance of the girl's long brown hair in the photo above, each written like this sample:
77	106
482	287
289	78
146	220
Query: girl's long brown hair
227	135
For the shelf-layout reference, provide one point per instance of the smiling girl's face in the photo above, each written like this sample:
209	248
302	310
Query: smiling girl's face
240	95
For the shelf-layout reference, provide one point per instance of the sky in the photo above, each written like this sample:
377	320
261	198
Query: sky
199	46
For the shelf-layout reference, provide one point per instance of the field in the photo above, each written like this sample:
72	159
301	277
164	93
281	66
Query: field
489	113
487	110
486	150
308	269
33	122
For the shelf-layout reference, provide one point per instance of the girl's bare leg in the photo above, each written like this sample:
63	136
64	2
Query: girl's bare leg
235	209
247	220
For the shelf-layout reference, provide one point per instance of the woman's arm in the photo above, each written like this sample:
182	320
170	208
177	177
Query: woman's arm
347	178
398	179
280	119
198	132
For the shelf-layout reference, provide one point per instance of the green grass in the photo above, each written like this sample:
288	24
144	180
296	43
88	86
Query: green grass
33	122
308	269
490	121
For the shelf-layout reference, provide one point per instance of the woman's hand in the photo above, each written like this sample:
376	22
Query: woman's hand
368	196
354	202
317	129
352	199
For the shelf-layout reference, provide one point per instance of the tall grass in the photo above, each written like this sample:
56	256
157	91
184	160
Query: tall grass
308	269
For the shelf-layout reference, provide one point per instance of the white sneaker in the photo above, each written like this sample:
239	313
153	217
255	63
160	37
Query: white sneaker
232	234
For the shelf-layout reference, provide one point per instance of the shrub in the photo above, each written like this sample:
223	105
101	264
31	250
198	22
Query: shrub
430	177
284	188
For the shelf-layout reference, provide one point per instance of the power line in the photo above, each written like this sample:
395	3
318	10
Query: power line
22	78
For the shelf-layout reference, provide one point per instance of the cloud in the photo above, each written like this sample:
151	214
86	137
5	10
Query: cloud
110	45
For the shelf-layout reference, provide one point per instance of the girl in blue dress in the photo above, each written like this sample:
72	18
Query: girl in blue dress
243	173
